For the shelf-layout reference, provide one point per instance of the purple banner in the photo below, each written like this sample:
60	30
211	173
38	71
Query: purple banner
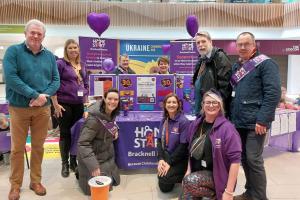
100	83
268	47
185	91
145	92
94	50
183	57
136	146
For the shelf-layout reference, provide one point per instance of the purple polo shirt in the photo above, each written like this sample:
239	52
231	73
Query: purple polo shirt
178	128
69	86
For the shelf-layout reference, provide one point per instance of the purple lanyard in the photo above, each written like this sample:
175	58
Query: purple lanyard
247	68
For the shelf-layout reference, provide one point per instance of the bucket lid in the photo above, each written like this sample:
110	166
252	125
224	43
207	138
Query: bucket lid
99	181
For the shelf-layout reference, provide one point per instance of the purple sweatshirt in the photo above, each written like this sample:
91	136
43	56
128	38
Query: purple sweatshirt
69	86
226	149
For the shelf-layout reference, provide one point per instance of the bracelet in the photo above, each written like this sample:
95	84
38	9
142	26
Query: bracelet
230	193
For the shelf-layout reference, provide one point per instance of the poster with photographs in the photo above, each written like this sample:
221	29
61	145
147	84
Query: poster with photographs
145	92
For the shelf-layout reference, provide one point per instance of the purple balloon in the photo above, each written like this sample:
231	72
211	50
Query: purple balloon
165	48
108	64
192	25
98	22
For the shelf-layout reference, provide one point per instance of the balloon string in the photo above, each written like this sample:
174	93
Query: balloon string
192	56
101	60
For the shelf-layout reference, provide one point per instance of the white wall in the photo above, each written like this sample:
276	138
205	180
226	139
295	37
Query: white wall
293	80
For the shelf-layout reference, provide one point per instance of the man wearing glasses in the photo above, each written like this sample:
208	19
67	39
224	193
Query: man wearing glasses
123	68
213	70
256	92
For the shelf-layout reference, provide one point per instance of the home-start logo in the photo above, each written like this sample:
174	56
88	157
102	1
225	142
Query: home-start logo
295	48
98	43
145	137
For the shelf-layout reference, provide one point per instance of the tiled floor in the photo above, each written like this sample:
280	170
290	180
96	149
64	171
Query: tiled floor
283	173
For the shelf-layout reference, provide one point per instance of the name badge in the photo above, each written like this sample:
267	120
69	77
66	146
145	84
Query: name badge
233	94
80	93
203	163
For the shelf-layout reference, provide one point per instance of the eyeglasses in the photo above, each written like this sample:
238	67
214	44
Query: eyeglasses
245	45
213	103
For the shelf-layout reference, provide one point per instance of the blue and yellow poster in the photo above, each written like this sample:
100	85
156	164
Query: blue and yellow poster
143	54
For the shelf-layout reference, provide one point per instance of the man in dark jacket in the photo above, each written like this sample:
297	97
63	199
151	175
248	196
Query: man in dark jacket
256	93
213	70
123	68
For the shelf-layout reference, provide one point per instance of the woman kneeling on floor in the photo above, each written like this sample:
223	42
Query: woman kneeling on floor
96	155
172	144
215	153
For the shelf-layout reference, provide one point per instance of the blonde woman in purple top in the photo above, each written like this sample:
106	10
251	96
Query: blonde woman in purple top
69	100
219	157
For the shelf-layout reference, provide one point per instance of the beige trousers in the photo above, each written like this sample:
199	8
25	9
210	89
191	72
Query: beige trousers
22	120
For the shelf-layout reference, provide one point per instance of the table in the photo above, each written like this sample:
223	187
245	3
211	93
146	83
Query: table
4	107
136	146
5	141
288	140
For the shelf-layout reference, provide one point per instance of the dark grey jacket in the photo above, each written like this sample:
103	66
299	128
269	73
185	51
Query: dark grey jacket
256	96
216	75
119	70
96	149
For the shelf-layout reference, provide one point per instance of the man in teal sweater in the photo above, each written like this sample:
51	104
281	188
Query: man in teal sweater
31	78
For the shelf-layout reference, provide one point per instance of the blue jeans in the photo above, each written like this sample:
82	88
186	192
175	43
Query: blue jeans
253	163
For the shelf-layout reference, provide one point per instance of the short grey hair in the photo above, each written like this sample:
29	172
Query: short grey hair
203	34
35	22
246	33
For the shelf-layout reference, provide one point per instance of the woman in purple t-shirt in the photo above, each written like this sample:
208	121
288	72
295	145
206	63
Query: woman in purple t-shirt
172	144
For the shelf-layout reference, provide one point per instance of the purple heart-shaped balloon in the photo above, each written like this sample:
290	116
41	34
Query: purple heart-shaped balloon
98	22
192	25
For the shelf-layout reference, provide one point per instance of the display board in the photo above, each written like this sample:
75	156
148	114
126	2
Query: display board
145	92
185	92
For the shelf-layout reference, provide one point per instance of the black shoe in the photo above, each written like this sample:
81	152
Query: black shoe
243	196
65	170
77	173
73	163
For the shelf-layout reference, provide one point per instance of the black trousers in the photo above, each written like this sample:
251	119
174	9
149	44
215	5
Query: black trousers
53	117
253	163
174	175
72	113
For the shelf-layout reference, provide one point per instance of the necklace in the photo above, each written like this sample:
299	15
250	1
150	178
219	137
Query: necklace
77	68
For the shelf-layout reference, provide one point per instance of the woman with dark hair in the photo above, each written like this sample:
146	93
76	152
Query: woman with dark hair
69	100
96	155
172	144
215	153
